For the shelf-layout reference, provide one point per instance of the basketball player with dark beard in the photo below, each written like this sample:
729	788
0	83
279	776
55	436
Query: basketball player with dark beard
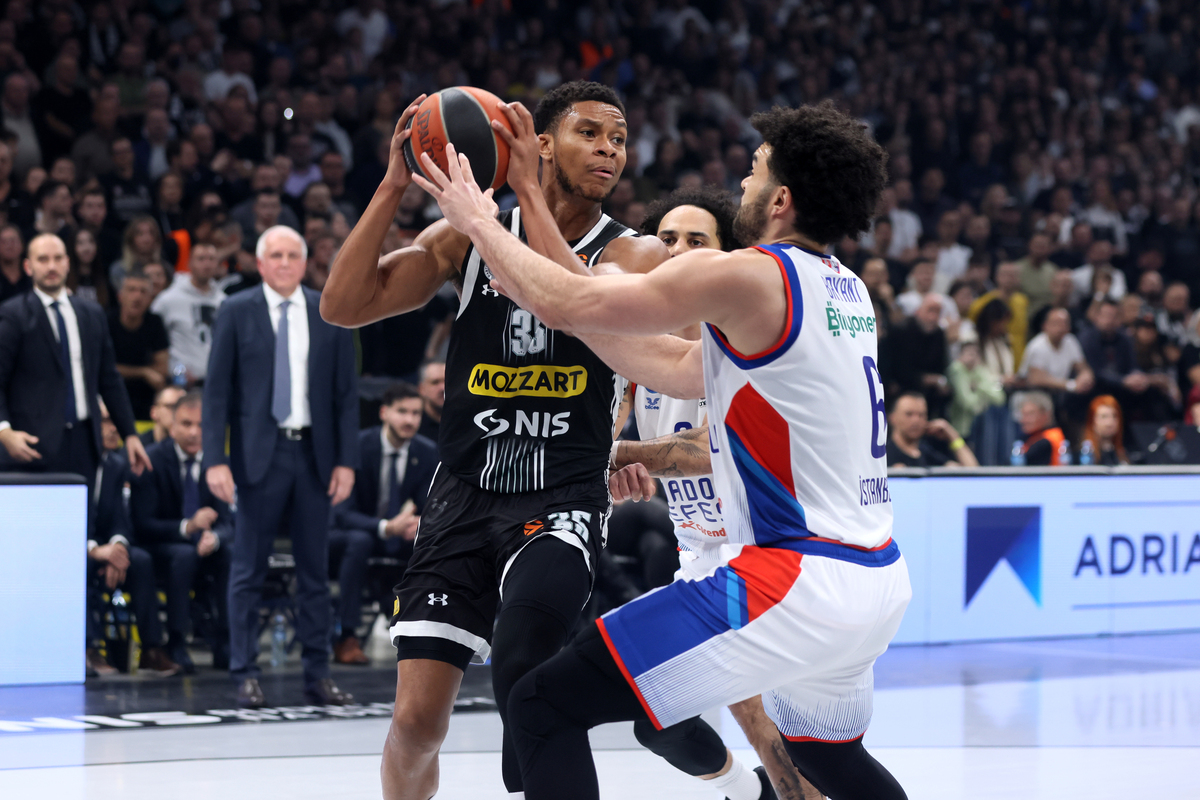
517	511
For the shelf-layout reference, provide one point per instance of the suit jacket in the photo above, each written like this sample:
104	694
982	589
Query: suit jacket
360	511
111	517
33	382
241	374
156	500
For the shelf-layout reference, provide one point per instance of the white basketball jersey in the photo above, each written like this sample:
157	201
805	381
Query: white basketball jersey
799	431
695	506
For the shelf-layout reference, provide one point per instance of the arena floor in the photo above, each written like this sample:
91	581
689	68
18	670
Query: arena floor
1090	718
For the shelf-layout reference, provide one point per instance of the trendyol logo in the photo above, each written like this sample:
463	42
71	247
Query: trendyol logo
1009	533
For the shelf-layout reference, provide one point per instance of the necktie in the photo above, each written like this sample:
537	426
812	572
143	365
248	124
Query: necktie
64	349
281	399
389	487
394	488
191	490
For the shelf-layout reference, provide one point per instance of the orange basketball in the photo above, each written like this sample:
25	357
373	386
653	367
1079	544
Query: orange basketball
462	116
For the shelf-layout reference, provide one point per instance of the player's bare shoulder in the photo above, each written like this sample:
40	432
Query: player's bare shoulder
633	254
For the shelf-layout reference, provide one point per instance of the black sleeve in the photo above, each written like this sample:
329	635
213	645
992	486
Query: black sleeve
1039	454
156	333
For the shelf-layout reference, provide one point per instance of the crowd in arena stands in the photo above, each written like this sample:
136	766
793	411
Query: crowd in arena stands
1034	264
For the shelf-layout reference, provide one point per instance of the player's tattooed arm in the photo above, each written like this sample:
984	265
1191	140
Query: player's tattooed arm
678	455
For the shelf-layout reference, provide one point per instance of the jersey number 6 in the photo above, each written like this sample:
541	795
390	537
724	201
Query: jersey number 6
878	410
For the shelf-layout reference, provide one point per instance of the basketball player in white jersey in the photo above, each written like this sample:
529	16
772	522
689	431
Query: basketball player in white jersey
812	587
674	448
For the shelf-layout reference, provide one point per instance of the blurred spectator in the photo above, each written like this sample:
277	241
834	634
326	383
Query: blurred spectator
150	151
142	244
1016	331
382	513
53	214
140	343
920	286
433	396
17	119
93	150
975	386
1189	362
56	363
15	202
952	256
188	309
1162	400
113	562
918	355
88	279
161	413
964	329
1105	432
62	108
264	178
156	273
187	530
1054	359
13	278
92	214
1062	287
126	190
906	225
1098	278
1173	317
304	171
879	289
233	72
993	324
1110	354
1076	240
1044	443
320	261
1037	272
915	441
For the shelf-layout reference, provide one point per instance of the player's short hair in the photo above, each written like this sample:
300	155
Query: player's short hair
712	199
400	390
832	166
557	102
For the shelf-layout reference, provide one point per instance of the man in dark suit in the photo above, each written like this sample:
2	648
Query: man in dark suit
114	562
56	359
187	530
283	380
382	513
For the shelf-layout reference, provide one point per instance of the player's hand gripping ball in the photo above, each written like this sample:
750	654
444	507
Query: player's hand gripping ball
462	116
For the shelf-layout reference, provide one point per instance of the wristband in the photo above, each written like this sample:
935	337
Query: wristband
958	444
612	454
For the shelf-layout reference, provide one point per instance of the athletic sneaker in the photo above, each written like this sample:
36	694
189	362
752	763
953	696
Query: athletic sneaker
768	791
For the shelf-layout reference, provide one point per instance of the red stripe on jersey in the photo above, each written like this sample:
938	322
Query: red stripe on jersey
764	433
787	323
769	574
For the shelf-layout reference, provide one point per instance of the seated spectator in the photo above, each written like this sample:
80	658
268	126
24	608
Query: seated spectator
264	178
915	441
127	190
975	386
918	355
1110	354
952	257
1054	360
156	273
993	324
161	414
140	343
87	278
1044	444
920	285
1088	278
13	278
113	562
963	296
1076	238
1062	287
1037	272
92	215
1188	368
1008	289
186	529
188	309
1105	432
384	509
320	260
267	213
53	211
141	244
432	389
1173	317
883	299
1161	400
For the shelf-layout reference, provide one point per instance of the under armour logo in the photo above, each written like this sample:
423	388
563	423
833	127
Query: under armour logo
435	598
489	291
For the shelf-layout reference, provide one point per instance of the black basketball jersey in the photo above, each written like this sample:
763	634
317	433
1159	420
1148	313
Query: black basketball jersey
527	408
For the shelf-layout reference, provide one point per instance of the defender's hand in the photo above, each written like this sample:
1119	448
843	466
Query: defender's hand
398	175
631	483
457	194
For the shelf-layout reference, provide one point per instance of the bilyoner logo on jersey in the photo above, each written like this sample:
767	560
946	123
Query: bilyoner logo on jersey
1006	533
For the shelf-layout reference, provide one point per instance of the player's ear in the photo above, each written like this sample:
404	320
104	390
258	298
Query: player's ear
545	146
781	201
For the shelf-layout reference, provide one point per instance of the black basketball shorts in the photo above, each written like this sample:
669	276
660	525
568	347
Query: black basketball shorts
446	602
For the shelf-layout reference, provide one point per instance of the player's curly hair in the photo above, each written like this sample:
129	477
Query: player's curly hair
714	200
555	104
832	166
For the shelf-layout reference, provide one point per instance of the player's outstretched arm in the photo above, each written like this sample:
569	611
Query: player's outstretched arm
678	455
362	286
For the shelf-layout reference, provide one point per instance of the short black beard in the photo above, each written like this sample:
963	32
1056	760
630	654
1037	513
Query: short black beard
751	220
574	189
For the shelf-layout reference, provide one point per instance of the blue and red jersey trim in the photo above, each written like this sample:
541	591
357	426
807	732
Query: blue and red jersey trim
795	316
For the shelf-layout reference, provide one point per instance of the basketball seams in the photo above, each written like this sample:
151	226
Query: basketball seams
487	121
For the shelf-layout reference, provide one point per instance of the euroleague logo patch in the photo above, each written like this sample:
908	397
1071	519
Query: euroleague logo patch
533	527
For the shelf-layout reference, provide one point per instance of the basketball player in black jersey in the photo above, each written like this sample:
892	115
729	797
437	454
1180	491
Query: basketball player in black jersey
517	511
